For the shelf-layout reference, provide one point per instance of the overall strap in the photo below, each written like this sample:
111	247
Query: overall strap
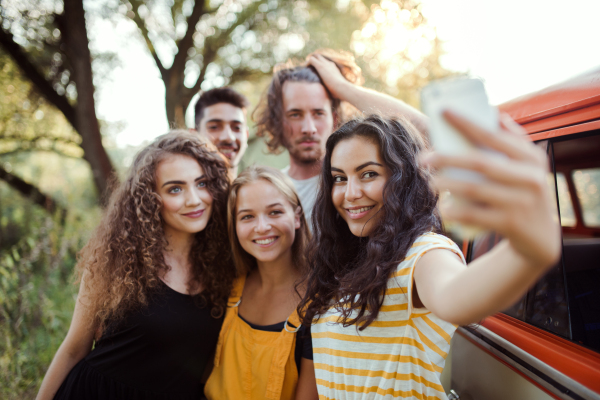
285	346
232	303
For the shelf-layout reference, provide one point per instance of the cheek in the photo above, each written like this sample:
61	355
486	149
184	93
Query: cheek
206	197
170	204
242	231
337	196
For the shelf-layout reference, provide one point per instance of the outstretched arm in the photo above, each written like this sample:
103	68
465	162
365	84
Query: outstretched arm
75	347
365	100
516	202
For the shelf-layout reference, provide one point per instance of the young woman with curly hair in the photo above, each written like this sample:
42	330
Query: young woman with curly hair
263	351
385	290
154	281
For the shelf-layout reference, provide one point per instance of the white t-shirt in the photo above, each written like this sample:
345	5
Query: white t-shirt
307	191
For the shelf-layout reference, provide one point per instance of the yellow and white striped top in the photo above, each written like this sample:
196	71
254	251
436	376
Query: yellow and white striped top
401	355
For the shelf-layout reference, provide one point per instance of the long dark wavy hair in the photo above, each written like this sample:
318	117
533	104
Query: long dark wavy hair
348	272
122	262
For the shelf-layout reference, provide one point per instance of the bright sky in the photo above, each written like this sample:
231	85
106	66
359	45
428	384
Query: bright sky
516	46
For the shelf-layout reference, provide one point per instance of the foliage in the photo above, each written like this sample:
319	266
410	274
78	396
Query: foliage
48	41
27	121
36	289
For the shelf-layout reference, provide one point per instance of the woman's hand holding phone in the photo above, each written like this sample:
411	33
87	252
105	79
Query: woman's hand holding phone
513	199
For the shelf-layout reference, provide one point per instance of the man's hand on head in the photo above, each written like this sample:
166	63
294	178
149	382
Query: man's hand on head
330	74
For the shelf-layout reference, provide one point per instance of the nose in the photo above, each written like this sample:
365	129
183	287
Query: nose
226	135
353	190
262	224
308	125
192	199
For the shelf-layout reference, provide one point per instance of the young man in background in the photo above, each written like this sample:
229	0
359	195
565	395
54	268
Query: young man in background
220	115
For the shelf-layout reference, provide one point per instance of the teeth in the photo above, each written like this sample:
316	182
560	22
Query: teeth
265	241
359	210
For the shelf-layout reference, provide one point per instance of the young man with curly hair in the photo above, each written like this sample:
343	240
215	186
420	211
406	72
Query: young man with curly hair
304	104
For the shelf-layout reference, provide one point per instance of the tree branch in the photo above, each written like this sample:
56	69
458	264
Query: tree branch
141	24
36	77
213	44
31	192
187	40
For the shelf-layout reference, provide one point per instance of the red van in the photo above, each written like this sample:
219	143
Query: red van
547	346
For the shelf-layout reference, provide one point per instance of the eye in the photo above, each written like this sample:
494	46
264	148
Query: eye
201	184
339	178
246	217
276	212
370	174
174	190
294	115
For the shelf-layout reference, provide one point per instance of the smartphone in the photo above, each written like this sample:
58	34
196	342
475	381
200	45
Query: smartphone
465	97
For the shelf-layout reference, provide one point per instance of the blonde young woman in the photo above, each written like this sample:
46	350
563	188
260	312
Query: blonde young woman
155	278
263	351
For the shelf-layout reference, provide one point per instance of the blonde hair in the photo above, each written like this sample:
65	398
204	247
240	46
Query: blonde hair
244	262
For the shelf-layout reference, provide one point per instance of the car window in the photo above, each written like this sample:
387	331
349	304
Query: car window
567	214
587	184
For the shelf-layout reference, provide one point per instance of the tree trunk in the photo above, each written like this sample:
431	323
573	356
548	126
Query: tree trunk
85	112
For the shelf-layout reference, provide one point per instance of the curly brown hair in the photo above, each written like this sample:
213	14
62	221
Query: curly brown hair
122	262
268	115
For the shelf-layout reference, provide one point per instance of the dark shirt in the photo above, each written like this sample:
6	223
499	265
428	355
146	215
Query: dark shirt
163	347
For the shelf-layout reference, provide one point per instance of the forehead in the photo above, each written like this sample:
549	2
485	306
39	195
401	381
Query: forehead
350	153
225	112
178	167
259	194
304	96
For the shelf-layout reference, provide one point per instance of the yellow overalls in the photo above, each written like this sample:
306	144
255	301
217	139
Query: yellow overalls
253	364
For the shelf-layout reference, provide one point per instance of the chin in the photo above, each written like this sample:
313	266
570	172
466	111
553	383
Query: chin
360	230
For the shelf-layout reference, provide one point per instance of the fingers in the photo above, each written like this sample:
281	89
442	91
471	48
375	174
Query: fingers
510	126
514	146
485	194
492	167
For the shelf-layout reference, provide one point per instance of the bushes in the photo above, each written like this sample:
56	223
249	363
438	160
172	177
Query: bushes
37	295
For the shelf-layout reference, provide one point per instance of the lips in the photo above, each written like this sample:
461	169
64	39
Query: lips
194	214
266	241
358	212
228	151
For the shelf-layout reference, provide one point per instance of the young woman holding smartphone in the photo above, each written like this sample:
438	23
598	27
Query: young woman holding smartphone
154	281
385	290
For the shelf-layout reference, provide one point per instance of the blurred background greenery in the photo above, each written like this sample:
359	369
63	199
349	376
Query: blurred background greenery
57	158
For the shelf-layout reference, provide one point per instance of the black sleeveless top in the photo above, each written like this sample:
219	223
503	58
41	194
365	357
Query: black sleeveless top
158	352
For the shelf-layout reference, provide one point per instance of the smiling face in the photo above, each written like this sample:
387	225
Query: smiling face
182	186
266	222
225	125
359	176
307	121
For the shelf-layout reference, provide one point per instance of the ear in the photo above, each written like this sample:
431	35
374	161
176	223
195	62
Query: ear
297	216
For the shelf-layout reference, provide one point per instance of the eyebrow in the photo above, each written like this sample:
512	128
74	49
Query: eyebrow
182	182
361	166
269	206
222	120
